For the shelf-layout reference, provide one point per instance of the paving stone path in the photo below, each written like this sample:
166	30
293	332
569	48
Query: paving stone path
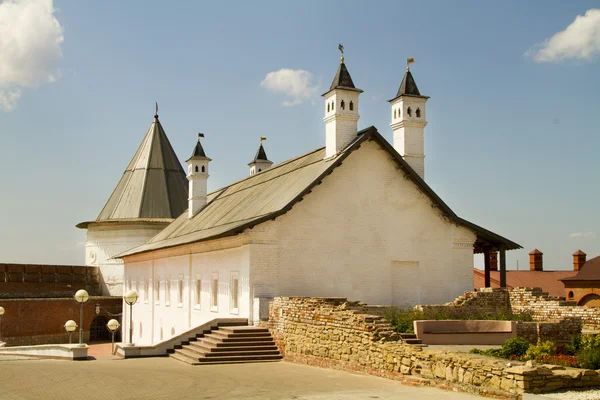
165	378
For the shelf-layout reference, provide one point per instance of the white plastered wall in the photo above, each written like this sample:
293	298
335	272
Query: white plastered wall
104	240
160	317
349	236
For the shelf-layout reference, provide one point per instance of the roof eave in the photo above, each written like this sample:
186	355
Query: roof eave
408	95
342	88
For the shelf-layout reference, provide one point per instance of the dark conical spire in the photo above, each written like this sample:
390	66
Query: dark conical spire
342	79
198	150
408	87
261	155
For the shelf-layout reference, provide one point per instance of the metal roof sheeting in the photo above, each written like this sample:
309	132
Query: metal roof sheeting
153	184
273	192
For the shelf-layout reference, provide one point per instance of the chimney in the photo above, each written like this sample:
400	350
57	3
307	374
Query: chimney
493	261
535	260
578	260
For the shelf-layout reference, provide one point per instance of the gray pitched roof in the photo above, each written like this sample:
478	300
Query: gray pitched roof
274	192
153	186
408	87
261	155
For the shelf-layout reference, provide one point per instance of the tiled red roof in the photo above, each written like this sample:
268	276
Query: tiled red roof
589	272
549	281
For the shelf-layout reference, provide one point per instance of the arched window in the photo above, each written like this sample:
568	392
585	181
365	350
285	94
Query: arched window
259	170
332	106
351	106
409	112
571	294
418	113
327	107
196	168
342	105
394	114
203	168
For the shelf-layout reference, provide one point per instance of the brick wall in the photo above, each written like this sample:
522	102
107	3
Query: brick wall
41	321
37	280
332	333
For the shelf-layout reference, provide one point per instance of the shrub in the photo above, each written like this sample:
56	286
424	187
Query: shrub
589	342
541	349
560	359
589	358
517	346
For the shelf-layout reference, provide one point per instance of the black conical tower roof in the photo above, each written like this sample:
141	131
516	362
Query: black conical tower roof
261	155
198	152
342	79
408	87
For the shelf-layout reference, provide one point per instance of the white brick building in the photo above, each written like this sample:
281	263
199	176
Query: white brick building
353	219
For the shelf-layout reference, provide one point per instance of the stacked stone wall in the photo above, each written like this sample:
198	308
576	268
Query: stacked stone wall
334	333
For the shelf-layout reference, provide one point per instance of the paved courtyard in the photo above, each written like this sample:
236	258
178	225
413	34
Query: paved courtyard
165	378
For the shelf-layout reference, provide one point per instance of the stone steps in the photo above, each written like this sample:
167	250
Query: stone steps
231	344
411	338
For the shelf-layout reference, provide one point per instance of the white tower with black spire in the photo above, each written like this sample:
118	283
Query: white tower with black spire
197	175
409	119
341	111
260	162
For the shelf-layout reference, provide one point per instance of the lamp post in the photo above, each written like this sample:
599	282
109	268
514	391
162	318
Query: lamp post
113	325
81	296
1	314
70	327
130	298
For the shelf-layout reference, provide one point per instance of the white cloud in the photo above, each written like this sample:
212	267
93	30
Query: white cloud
577	235
30	47
580	40
294	83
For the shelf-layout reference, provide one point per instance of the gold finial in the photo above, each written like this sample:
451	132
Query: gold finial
409	61
341	48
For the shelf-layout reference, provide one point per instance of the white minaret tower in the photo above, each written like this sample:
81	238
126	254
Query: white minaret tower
260	162
341	111
197	175
408	122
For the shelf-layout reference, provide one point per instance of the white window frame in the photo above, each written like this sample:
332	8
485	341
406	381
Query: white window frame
167	290
180	290
234	295
157	291
145	291
198	293
214	297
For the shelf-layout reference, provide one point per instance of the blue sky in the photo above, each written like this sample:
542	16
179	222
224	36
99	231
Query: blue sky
512	137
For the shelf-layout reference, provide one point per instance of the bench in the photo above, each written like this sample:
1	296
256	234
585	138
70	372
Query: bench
470	332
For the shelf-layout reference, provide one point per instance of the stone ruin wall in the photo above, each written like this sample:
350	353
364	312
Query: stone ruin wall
335	333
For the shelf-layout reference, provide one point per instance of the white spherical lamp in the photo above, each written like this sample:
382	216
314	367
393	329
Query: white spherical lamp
70	326
113	325
81	296
131	297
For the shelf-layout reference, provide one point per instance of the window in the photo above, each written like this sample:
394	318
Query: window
157	291
332	106
571	294
351	106
259	170
342	105
234	293
167	290
145	291
198	292
180	291
418	113
203	168
128	284
327	107
409	112
196	168
394	114
214	292
399	113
